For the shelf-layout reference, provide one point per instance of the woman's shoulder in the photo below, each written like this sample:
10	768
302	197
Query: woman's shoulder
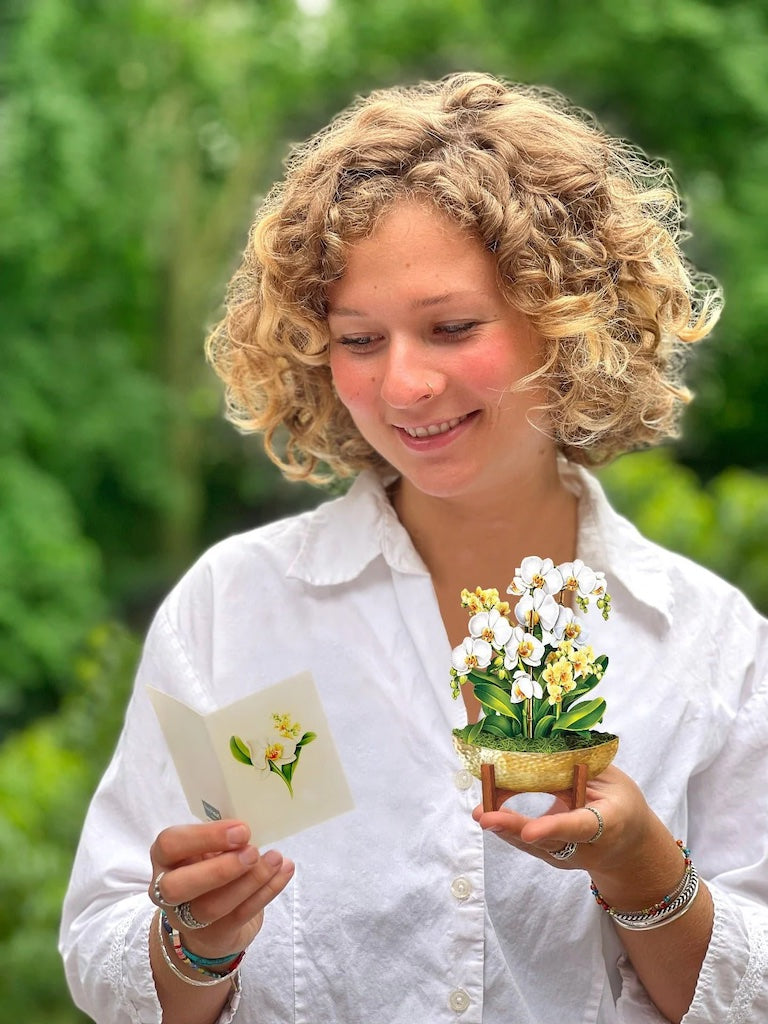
314	541
642	563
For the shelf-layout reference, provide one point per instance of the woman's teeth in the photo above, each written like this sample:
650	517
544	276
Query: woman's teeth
434	428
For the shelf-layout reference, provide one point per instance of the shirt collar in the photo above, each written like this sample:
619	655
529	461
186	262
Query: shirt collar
345	535
609	542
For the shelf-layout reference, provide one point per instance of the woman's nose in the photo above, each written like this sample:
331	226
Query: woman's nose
409	377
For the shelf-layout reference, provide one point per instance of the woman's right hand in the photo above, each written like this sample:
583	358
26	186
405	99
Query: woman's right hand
226	882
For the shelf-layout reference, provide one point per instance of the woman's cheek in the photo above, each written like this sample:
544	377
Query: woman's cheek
354	385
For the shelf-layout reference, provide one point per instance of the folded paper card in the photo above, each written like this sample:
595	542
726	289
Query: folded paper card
268	759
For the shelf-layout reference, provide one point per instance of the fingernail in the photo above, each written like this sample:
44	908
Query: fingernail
249	855
237	835
273	859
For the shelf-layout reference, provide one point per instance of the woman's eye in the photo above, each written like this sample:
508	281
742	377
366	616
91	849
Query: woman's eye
358	341
456	330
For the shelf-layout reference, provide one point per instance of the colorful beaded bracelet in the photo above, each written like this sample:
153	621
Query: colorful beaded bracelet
672	906
198	963
214	979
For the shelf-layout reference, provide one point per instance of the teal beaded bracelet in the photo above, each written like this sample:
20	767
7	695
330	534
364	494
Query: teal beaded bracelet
200	963
209	961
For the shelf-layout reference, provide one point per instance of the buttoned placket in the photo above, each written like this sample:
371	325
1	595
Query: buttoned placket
467	894
464	881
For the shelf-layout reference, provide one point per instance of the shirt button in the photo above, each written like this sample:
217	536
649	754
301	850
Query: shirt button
461	888
459	1000
463	779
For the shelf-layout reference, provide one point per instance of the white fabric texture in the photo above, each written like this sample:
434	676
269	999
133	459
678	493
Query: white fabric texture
369	929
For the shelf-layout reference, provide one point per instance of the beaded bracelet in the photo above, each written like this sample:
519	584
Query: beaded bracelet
231	974
217	980
671	907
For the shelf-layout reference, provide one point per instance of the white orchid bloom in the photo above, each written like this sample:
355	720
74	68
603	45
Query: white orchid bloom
523	687
491	626
568	627
472	653
599	588
523	646
579	577
536	573
535	608
273	749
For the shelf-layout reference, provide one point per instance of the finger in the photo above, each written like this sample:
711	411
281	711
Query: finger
244	902
266	888
515	829
183	843
579	826
256	871
189	881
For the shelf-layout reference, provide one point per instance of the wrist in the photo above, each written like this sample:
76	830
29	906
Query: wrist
649	868
190	967
647	886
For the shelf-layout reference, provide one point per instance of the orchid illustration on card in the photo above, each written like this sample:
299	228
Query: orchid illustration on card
531	667
276	748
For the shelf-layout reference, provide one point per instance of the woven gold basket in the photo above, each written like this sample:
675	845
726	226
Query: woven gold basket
535	772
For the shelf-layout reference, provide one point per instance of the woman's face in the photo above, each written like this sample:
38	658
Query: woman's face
423	351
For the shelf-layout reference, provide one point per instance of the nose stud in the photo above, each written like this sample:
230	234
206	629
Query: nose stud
431	390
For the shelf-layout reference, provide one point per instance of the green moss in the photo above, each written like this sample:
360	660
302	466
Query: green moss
543	745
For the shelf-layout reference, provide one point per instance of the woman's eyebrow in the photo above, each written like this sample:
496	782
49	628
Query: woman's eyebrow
426	302
438	300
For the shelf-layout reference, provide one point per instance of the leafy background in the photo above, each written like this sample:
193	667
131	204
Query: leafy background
135	139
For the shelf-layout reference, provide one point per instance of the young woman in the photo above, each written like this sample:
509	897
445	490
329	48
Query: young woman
462	294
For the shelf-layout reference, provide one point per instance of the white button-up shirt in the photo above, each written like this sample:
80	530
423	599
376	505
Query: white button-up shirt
403	910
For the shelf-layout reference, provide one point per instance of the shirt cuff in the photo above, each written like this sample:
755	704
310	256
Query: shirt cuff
733	981
131	973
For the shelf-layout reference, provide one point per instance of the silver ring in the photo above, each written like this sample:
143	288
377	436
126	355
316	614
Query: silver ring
431	390
600	824
187	918
156	896
565	852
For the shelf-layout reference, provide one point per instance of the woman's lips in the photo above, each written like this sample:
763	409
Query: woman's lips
434	435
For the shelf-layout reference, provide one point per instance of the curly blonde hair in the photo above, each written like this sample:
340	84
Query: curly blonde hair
586	233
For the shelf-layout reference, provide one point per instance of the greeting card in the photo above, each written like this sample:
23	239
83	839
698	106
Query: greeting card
269	759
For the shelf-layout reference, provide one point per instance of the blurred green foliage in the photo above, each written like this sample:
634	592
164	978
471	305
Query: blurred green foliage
722	524
47	773
135	138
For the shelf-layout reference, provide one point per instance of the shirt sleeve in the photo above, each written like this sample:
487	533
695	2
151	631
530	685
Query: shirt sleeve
729	844
107	911
727	814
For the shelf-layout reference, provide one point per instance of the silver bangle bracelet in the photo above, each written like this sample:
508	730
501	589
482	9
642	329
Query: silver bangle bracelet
233	977
642	922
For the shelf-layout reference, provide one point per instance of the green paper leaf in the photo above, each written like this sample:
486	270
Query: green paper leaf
582	716
476	729
239	750
476	676
584	687
282	773
500	725
496	699
544	726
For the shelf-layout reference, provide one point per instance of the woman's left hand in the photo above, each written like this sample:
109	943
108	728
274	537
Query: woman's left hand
627	822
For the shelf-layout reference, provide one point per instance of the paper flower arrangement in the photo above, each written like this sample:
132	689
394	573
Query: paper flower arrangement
532	668
277	750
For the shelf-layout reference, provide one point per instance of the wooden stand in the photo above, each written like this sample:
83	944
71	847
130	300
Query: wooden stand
493	798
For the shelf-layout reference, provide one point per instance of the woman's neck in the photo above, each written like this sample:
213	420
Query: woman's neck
480	541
